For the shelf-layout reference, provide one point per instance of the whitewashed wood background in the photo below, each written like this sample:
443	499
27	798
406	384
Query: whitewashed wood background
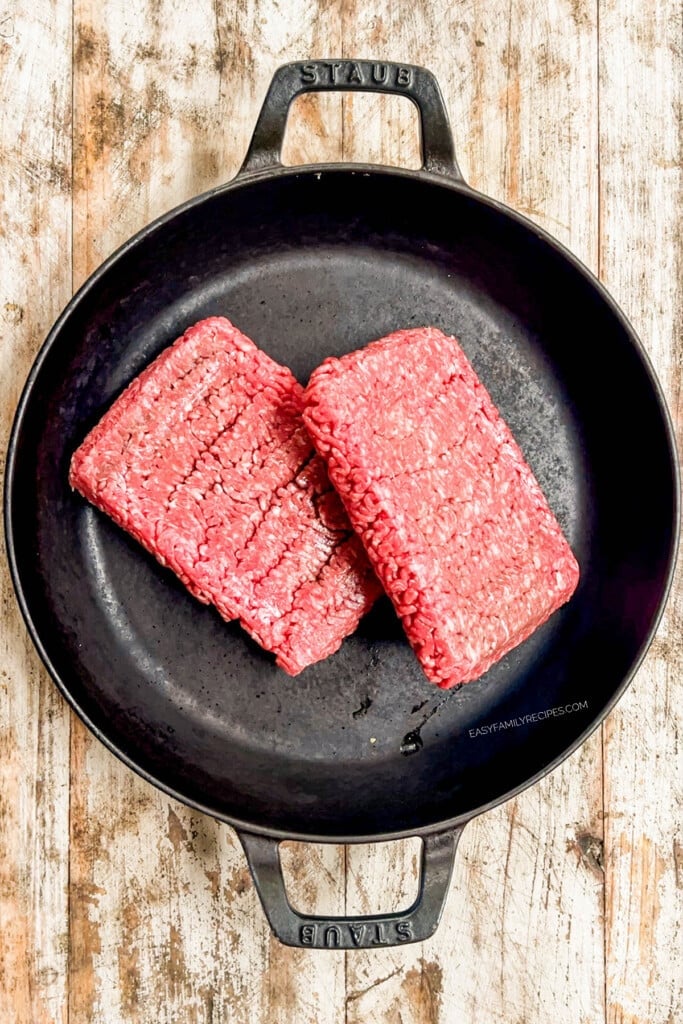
118	905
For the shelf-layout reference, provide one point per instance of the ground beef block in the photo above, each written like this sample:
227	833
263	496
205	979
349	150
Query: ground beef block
453	519
205	460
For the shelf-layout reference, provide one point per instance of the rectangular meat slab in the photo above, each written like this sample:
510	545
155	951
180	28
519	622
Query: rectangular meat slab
452	517
205	460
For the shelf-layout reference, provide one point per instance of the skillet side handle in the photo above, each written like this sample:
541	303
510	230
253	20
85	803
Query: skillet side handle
415	924
417	83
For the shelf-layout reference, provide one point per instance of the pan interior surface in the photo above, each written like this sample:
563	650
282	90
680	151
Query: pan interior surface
311	264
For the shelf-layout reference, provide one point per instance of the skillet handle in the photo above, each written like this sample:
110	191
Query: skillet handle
418	84
368	932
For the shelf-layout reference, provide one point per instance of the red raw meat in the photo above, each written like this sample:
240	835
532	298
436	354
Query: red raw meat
453	519
205	460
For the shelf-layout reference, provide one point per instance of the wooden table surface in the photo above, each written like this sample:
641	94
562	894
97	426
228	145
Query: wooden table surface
119	905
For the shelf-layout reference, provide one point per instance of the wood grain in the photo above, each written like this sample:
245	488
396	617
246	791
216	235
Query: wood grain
521	87
641	261
386	984
165	924
119	906
35	257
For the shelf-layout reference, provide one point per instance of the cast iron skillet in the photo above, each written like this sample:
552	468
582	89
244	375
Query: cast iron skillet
311	261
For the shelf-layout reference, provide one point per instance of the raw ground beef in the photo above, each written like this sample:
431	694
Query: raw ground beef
205	460
454	521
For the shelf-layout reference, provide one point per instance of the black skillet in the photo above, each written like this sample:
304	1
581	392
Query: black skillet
311	261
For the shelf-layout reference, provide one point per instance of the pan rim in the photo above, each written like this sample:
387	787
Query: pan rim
244	181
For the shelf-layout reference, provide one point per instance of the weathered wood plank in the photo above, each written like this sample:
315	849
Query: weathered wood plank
521	937
641	261
35	281
165	923
386	984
